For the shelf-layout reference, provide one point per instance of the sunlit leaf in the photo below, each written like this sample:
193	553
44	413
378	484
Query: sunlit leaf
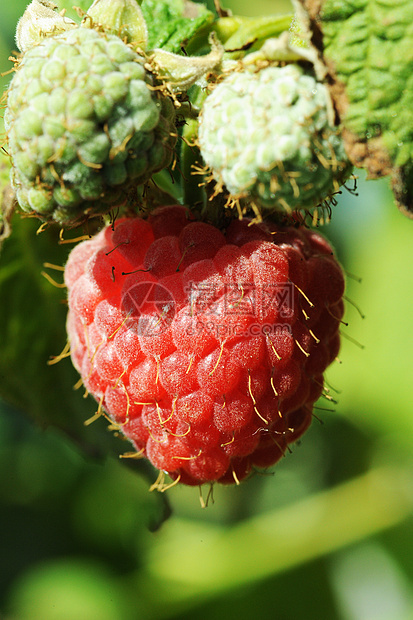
368	48
172	23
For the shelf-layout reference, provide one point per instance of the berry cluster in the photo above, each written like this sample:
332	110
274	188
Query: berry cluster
203	331
206	347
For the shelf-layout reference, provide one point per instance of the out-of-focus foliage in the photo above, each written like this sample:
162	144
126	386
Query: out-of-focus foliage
328	535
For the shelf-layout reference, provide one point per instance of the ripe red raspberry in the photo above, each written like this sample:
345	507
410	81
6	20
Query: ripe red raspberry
206	348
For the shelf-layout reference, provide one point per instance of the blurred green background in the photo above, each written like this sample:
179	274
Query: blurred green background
327	535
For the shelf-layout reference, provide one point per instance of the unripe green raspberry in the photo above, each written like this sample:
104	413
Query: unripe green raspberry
265	134
83	124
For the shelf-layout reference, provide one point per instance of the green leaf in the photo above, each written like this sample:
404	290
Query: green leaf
33	334
368	48
32	320
173	23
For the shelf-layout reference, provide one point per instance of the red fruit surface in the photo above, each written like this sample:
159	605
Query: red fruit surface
207	348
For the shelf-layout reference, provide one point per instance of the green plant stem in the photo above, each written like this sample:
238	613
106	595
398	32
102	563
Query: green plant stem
254	32
236	31
279	540
165	183
193	191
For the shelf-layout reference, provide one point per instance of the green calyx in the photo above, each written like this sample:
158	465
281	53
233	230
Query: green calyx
40	20
121	17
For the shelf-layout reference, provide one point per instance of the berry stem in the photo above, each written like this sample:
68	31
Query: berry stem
166	186
253	32
193	191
